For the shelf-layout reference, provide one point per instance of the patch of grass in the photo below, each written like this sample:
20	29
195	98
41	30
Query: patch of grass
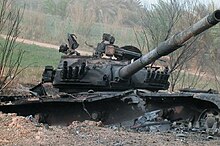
36	56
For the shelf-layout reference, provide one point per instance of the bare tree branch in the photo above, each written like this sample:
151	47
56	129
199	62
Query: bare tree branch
11	57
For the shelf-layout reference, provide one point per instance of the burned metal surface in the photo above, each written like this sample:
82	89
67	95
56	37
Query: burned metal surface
63	110
208	123
214	98
115	85
152	122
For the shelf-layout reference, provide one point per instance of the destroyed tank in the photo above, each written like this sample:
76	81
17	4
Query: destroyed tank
115	84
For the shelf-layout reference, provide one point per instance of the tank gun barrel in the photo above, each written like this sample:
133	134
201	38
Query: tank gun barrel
170	45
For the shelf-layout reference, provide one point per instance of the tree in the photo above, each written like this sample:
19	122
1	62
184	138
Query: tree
104	10
10	57
128	12
56	7
165	19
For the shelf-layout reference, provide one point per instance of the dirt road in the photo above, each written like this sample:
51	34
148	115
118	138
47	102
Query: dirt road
45	45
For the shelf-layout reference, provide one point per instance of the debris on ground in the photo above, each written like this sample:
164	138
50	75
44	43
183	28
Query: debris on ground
17	130
155	122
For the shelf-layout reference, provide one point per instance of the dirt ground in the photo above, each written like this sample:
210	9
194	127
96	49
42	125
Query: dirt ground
16	130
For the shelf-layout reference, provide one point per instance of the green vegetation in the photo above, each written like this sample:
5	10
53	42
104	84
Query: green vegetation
38	56
50	20
35	59
35	56
56	8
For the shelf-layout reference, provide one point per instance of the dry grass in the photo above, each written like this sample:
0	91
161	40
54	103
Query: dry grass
31	75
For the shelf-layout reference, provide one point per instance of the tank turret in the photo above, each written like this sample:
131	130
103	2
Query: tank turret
124	67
